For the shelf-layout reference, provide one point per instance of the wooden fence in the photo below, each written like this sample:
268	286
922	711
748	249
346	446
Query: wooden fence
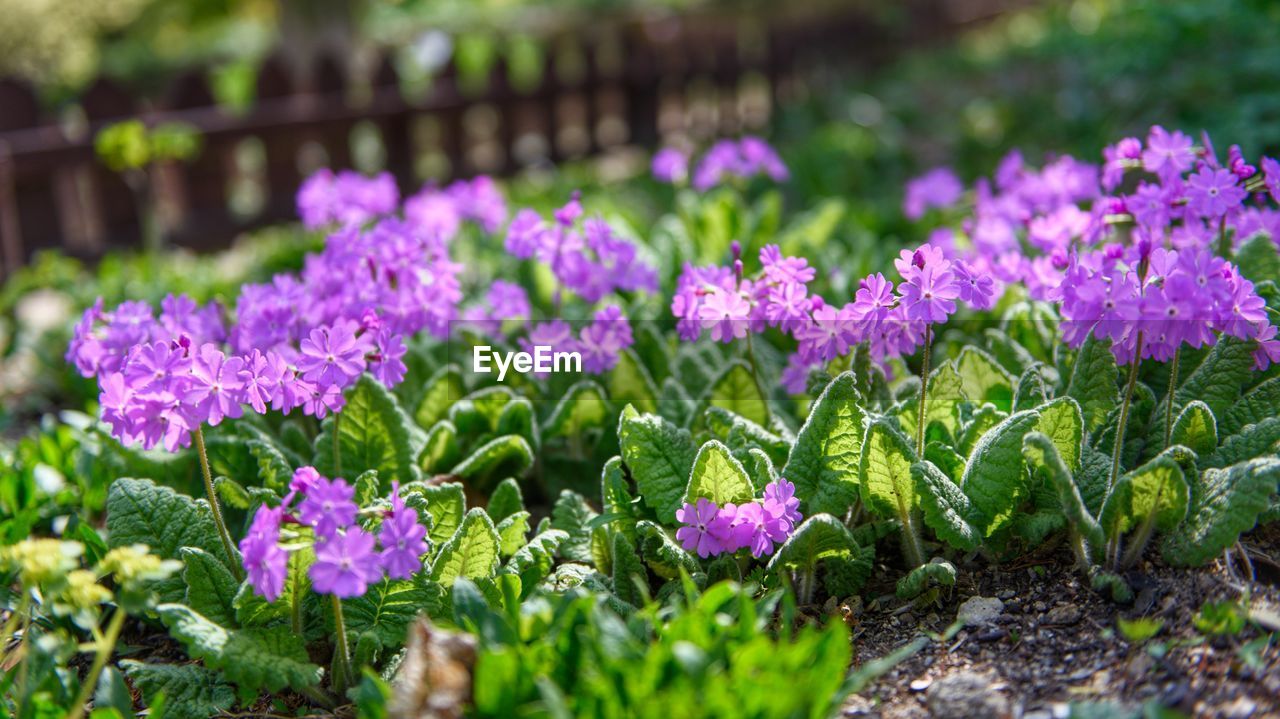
631	82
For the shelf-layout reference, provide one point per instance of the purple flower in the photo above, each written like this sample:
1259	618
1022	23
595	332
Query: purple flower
1268	351
725	313
929	289
215	390
305	480
976	288
158	367
828	334
261	378
938	187
1118	158
696	535
670	166
264	561
327	506
1271	177
402	537
782	494
346	564
762	525
386	363
873	300
524	236
1213	192
331	356
1168	154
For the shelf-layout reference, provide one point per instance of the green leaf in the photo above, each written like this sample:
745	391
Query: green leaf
506	500
760	468
887	485
472	552
141	512
1042	457
269	658
984	418
1196	429
572	515
1255	440
818	538
581	408
659	456
630	580
1156	490
982	379
825	460
1258	260
373	433
534	561
616	497
446	503
939	573
1225	503
994	480
719	477
443	389
440	451
211	589
1012	356
508	455
1093	382
946	459
1258	404
254	611
945	507
388	608
743	435
1220	378
1032	390
661	552
513	532
942	403
189	690
631	383
1062	421
736	390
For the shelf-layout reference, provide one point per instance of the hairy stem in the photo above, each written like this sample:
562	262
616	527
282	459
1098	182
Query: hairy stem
924	389
105	645
1118	450
911	540
1138	543
223	534
342	650
1168	411
295	602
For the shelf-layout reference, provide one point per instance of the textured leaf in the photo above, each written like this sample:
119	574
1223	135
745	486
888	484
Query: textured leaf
1013	357
984	418
945	507
887	485
1224	504
446	503
189	690
513	532
742	435
844	577
582	407
508	455
629	575
940	573
269	658
1220	378
1042	456
506	500
945	459
373	433
572	515
1156	490
994	480
826	457
440	450
1255	440
517	419
659	456
736	390
534	561
982	379
719	477
1196	429
942	403
211	589
1062	421
818	538
631	383
443	389
617	499
472	552
1258	260
1093	382
387	609
661	552
760	468
254	611
1032	389
1258	404
141	512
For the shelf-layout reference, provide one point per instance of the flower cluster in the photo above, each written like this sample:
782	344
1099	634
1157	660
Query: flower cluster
1132	251
348	558
893	322
440	213
938	187
725	161
710	529
589	260
347	198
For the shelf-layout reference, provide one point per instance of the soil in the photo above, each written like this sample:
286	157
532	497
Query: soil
1057	643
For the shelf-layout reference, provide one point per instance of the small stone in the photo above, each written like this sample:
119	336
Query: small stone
1006	594
1063	615
1039	606
966	695
1138	666
979	611
921	684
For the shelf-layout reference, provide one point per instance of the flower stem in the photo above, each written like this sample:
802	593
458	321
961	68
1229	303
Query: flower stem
295	603
223	534
337	454
924	388
105	646
1168	412
1118	450
342	650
